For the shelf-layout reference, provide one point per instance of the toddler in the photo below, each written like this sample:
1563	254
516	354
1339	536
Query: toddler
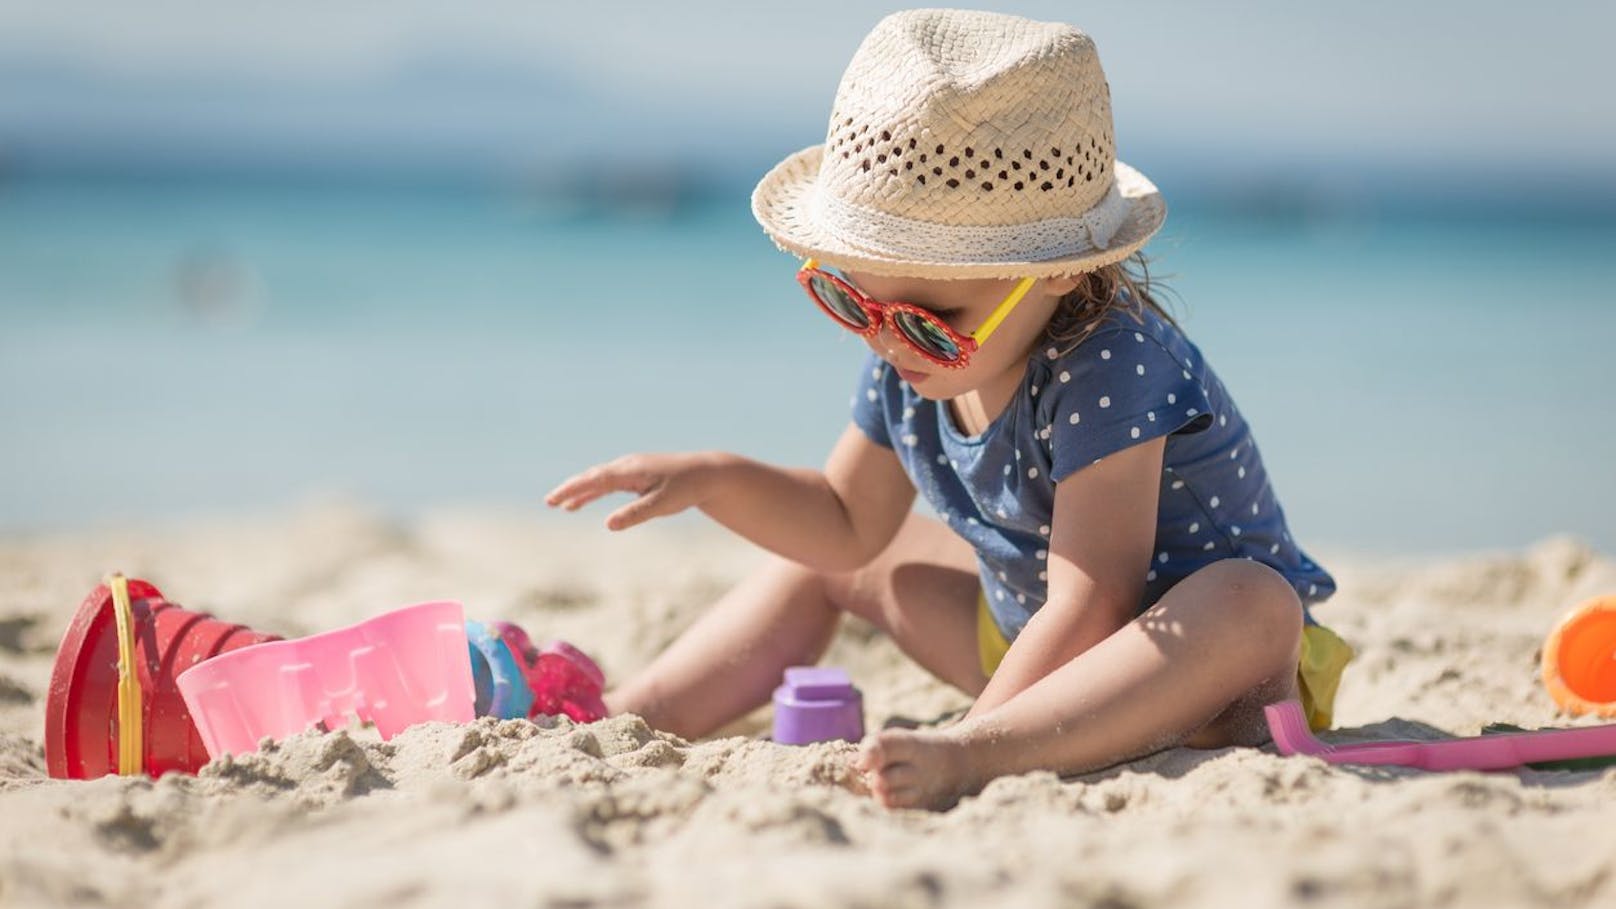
1109	572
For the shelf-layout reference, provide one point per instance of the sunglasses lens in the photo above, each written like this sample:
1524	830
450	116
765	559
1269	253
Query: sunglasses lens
927	335
838	303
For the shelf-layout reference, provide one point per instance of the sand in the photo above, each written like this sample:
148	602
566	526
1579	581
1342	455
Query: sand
617	814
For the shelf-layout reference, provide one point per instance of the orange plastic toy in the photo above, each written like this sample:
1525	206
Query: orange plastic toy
1579	659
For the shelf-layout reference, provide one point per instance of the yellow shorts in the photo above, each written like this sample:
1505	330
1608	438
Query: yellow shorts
1318	673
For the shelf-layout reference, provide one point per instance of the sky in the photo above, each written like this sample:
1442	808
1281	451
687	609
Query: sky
1327	102
1242	87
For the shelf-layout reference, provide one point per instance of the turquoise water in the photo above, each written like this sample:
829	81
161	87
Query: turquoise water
1416	382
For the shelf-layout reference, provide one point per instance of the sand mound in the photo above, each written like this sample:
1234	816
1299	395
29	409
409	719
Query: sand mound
617	814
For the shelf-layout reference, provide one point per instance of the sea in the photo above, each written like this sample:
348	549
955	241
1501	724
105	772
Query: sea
1420	380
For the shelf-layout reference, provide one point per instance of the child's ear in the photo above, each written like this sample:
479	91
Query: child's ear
1060	287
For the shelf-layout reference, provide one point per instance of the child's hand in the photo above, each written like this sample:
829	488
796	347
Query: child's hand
665	483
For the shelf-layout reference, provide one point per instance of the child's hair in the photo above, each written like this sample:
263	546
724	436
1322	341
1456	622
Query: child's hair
1126	284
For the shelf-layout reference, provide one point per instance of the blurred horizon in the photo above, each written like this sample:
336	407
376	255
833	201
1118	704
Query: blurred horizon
1264	105
447	256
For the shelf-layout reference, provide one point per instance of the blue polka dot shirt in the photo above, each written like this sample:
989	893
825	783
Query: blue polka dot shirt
1134	379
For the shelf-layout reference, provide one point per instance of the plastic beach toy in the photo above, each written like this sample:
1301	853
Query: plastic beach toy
562	678
1288	726
497	677
1579	659
817	704
400	668
113	705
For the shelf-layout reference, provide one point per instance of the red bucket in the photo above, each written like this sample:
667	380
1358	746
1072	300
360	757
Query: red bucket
81	711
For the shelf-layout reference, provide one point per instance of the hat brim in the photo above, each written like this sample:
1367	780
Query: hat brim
782	204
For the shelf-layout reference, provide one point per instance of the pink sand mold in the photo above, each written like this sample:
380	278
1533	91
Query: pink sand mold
1291	735
562	678
400	668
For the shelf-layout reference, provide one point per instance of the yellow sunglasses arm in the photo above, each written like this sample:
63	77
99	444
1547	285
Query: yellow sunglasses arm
1003	310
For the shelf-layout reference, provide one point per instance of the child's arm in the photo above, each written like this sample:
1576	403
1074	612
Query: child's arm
832	520
1099	550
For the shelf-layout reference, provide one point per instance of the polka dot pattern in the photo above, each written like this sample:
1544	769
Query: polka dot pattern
1127	383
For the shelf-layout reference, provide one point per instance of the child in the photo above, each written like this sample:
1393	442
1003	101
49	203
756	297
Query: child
1110	573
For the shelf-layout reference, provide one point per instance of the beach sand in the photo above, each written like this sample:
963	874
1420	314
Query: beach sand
616	814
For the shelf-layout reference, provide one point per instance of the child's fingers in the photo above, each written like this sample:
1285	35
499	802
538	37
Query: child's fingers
855	780
586	487
575	501
899	797
589	483
899	776
868	759
646	507
562	494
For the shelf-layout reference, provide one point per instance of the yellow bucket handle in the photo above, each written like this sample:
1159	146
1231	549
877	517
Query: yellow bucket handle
131	737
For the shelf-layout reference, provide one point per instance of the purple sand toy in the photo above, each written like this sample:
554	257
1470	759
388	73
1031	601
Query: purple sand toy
1288	726
817	705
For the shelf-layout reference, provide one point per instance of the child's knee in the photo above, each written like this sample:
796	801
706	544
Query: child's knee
1263	604
1259	588
794	578
848	592
855	592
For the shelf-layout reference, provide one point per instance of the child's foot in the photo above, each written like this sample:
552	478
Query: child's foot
916	769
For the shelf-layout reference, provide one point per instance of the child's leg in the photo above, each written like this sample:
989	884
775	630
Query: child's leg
921	590
1195	669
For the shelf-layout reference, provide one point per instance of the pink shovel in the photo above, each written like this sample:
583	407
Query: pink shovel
1288	725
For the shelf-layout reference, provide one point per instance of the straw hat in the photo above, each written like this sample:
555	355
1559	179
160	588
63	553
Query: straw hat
964	144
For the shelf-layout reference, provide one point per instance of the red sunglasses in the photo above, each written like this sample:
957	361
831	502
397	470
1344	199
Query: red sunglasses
920	328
